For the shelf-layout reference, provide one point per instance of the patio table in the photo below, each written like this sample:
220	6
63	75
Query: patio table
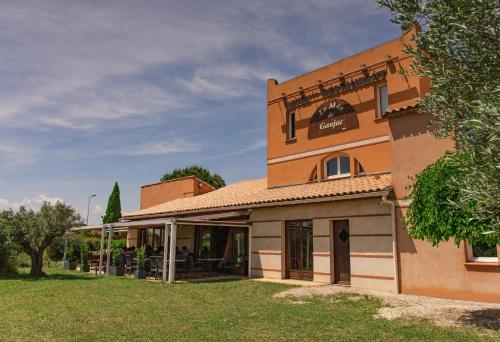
208	261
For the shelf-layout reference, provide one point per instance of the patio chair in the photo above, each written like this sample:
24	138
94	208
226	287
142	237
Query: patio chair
229	265
131	264
153	267
159	268
194	266
181	268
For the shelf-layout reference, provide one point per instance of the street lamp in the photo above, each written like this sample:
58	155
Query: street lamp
88	208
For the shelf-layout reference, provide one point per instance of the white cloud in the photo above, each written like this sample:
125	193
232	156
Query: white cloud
16	154
157	148
256	145
29	202
98	209
70	65
231	80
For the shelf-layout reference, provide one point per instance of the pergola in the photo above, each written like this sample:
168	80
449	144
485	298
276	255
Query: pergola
171	225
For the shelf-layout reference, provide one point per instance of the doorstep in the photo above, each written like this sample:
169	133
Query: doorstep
304	283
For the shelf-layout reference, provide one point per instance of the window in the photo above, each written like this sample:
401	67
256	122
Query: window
338	167
291	126
153	237
483	252
383	99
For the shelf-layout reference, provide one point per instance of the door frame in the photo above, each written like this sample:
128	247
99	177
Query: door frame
333	259
300	274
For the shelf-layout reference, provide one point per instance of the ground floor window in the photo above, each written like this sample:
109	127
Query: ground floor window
225	248
483	252
153	239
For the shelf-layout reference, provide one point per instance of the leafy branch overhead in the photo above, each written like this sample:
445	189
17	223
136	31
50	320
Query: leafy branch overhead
211	178
457	49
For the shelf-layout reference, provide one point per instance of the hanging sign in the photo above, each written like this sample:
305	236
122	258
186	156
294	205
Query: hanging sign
332	117
304	99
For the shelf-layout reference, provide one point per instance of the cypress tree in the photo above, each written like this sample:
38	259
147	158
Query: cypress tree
114	209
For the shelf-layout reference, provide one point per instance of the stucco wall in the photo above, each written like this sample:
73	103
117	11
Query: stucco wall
402	91
157	193
424	269
372	265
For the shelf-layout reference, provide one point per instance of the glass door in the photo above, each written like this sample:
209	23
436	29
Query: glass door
299	253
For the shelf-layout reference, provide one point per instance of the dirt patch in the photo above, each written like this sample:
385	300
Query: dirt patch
443	312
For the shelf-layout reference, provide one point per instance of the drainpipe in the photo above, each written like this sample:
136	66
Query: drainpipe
394	242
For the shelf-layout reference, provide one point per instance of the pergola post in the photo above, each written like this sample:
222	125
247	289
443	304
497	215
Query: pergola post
165	251
108	256
101	250
249	251
173	241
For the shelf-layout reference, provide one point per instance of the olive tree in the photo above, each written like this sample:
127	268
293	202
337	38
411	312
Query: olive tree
35	231
457	49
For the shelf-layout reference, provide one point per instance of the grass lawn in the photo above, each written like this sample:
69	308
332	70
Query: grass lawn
74	306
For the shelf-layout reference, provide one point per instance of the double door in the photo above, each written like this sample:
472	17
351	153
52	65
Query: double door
299	249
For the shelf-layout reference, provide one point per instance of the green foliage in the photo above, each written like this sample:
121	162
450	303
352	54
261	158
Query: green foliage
211	178
8	250
458	50
84	254
141	258
33	231
434	214
114	209
115	254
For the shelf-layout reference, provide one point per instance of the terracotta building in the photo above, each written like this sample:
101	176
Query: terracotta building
342	141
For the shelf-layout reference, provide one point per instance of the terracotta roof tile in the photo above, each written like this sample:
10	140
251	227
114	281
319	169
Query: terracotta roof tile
255	191
399	110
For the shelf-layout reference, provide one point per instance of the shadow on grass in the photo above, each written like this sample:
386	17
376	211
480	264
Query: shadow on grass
485	318
56	276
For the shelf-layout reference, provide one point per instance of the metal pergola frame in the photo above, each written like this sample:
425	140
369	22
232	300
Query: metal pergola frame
170	225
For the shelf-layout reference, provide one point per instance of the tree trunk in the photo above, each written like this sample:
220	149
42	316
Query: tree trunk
36	264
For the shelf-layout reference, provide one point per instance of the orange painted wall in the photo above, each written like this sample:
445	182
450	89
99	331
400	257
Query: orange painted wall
153	194
424	269
402	91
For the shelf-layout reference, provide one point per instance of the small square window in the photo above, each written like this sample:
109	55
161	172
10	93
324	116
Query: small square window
383	99
483	252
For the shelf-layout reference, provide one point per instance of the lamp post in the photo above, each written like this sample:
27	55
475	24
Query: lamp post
88	208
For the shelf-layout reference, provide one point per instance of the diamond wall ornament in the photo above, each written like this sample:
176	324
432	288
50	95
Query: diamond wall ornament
344	235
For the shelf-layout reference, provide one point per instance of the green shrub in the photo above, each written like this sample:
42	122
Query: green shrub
115	256
84	254
141	258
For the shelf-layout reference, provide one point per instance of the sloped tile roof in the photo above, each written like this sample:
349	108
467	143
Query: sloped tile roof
399	110
255	191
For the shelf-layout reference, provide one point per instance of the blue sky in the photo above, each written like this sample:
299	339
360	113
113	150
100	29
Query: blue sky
93	92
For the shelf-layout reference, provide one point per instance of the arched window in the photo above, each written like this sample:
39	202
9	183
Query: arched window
339	166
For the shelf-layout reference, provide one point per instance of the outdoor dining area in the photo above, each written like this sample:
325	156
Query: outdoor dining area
199	252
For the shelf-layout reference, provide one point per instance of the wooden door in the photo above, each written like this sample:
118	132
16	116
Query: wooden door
299	250
341	248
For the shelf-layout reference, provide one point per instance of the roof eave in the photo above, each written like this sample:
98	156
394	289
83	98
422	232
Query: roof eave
370	194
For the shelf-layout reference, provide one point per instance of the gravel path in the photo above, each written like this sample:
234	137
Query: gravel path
444	312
